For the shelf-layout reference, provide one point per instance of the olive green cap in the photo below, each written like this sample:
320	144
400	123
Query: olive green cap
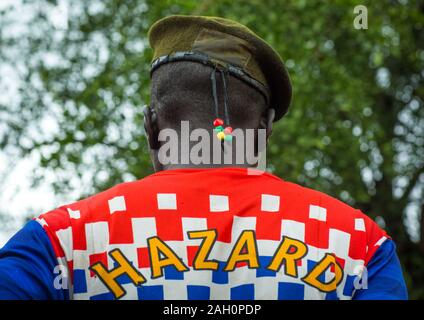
225	43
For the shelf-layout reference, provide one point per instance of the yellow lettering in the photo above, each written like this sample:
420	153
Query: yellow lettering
109	277
246	240
312	277
288	253
200	262
157	247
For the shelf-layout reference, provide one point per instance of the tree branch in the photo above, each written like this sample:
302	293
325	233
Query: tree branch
422	228
412	183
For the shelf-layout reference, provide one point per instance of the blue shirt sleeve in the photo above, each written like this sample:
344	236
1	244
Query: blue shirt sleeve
383	277
27	264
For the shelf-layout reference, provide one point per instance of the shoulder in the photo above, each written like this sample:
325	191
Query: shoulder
72	226
94	207
336	220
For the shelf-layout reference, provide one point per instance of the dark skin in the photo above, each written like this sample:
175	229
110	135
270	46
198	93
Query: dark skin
155	119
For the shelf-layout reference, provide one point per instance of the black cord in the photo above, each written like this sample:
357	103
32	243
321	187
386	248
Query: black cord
226	105
214	92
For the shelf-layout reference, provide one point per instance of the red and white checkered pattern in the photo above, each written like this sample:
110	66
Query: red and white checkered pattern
170	204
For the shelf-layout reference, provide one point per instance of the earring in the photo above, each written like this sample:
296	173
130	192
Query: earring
223	134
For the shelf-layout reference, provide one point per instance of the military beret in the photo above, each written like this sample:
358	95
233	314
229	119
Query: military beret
223	43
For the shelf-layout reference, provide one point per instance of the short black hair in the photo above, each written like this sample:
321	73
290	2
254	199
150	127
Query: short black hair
183	91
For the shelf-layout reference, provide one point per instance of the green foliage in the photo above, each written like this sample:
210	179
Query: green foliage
355	129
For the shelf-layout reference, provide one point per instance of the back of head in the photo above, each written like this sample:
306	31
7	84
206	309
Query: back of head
182	91
205	68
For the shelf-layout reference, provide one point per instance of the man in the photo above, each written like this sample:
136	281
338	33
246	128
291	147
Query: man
203	229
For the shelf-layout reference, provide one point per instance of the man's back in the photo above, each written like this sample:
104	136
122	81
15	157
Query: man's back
205	233
217	234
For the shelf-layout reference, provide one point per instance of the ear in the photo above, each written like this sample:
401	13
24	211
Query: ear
266	122
151	127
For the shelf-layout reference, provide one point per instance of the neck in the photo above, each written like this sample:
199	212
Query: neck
203	166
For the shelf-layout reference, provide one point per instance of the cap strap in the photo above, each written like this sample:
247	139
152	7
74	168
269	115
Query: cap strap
206	60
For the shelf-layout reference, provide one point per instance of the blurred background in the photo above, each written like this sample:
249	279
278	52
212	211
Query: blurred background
74	76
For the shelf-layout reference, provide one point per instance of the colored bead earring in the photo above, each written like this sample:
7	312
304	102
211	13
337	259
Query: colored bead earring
223	134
